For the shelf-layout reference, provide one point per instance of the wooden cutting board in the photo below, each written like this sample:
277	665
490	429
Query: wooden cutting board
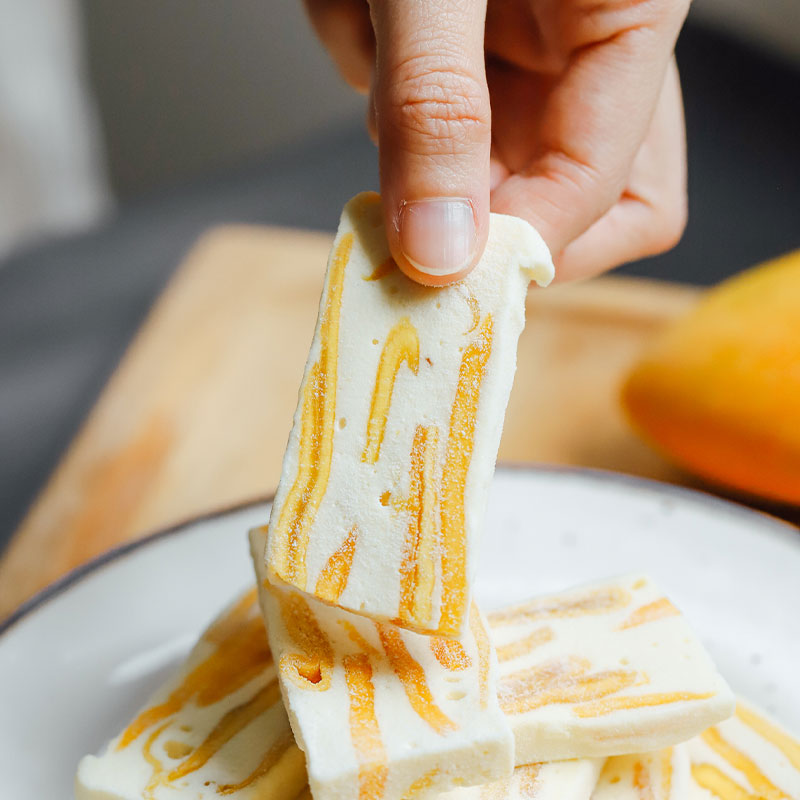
197	414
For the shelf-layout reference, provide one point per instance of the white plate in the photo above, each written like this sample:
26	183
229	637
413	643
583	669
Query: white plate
86	653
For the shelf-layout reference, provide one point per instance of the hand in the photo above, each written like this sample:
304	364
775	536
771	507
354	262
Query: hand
566	113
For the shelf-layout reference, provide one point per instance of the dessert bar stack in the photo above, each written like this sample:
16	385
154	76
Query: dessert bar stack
360	667
219	729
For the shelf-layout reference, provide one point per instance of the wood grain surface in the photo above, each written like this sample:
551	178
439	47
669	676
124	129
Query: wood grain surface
198	412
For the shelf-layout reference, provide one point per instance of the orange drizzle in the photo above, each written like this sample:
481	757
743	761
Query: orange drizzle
232	723
283	746
658	609
560	681
381	271
596	601
744	764
312	668
450	653
157	775
290	535
421	784
719	784
641	780
523	646
364	730
528	780
484	646
418	570
415	684
401	346
472	302
242	653
357	638
458	455
608	705
772	733
667	756
333	578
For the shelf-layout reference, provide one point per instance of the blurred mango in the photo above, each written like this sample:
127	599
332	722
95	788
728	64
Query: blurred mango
719	392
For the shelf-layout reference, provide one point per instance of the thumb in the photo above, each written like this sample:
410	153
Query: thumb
434	134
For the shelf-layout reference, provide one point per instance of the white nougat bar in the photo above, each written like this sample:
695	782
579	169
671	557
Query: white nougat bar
747	756
216	729
379	711
386	474
659	775
605	669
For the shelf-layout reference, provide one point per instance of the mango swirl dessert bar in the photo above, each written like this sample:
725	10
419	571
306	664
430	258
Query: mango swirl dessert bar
386	474
380	711
216	729
605	669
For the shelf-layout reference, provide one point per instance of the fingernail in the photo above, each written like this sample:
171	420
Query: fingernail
438	235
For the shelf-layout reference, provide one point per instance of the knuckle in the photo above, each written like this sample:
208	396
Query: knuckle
437	104
672	220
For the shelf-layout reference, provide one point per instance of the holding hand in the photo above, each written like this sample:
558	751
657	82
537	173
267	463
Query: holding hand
566	113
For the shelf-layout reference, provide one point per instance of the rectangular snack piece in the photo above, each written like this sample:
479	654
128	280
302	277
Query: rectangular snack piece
217	728
747	756
386	474
380	711
605	669
659	775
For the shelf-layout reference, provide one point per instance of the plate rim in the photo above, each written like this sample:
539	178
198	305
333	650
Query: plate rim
705	498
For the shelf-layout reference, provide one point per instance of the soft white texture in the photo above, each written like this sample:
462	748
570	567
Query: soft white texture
587	654
446	321
479	749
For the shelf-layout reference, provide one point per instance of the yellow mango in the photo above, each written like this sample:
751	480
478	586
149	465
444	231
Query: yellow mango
719	391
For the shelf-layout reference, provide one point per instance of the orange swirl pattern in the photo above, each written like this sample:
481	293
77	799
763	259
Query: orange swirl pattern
624	703
241	655
772	733
521	647
364	730
566	680
418	568
235	721
658	609
450	653
333	578
458	455
312	667
719	784
412	676
595	601
318	414
401	347
742	763
484	646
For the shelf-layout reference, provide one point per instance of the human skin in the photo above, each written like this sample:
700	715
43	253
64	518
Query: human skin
566	113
